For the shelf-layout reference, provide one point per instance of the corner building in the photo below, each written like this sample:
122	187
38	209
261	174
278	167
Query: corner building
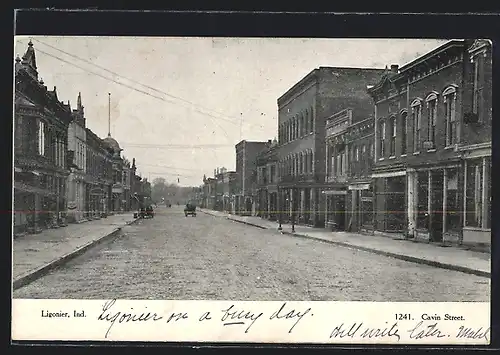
302	114
424	125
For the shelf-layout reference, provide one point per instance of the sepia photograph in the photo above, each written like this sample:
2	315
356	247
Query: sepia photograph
248	169
252	169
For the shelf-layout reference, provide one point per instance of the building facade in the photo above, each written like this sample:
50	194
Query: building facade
267	176
246	172
117	190
209	192
349	150
225	187
302	114
40	144
426	125
77	160
99	177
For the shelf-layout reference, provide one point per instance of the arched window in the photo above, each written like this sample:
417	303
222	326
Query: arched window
393	123
404	132
449	102
431	102
416	112
382	138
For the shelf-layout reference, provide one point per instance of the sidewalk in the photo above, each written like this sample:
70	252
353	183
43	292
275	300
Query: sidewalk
35	255
452	258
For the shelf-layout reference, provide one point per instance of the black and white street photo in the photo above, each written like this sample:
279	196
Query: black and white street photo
252	169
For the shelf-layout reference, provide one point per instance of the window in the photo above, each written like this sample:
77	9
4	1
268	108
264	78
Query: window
477	209
311	122
382	139
452	201
306	122
41	138
449	101
417	118
422	200
431	118
371	150
301	125
477	104
393	137
404	132
357	153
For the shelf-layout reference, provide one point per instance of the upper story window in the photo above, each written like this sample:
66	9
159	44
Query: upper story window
357	153
477	85
393	136
431	118
404	132
416	108
382	139
311	120
449	102
41	138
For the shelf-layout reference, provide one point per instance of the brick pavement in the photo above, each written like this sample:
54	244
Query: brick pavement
454	258
35	251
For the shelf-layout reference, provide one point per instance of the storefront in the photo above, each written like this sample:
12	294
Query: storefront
477	200
335	211
389	207
360	207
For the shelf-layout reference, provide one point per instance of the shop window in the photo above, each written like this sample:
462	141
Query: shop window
474	193
453	207
422	200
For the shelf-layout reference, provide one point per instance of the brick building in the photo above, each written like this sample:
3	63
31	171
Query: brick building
98	177
421	131
303	111
349	158
40	144
77	159
246	172
474	143
225	187
267	177
117	191
209	192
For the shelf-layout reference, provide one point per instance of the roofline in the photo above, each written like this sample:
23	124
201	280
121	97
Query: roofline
430	54
315	71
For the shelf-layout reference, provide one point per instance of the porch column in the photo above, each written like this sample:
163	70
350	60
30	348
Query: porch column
326	209
445	197
484	207
327	158
465	195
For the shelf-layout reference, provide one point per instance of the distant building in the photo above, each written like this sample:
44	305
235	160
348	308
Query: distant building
246	171
267	181
117	192
99	177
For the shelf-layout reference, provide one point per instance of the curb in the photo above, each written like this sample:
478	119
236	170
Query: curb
413	259
45	269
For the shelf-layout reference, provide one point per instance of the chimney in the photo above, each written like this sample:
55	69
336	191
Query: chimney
394	68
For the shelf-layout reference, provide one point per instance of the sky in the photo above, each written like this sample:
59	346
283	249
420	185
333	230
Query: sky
179	105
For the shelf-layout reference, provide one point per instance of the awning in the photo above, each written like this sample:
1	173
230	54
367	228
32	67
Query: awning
334	192
359	187
389	174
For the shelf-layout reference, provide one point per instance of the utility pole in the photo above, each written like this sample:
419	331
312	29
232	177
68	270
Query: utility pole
109	114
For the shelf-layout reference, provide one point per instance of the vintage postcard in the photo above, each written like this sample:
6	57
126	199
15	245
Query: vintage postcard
270	190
